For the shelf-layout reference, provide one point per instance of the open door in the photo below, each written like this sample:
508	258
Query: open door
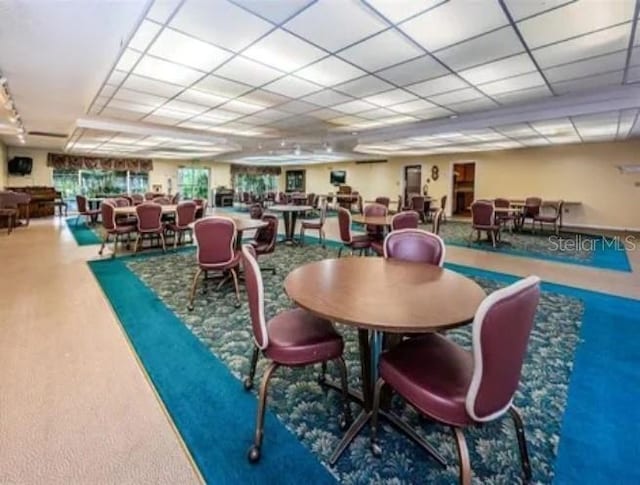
464	181
412	181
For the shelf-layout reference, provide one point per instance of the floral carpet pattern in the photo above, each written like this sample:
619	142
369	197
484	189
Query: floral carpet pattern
311	412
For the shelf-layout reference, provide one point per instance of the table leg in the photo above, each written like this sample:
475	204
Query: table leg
292	226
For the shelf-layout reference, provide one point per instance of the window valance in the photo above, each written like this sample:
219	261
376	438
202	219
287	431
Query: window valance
77	162
254	170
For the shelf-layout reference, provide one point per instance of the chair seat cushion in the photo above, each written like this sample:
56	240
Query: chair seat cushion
261	248
296	337
92	212
377	246
433	374
124	229
478	227
360	242
127	221
314	224
235	261
545	218
172	226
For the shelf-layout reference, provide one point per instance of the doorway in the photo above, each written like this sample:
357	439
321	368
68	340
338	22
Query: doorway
412	182
464	181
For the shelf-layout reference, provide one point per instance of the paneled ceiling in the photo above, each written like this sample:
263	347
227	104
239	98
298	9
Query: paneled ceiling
302	80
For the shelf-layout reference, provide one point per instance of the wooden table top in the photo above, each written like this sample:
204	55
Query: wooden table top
242	224
385	295
372	220
131	209
289	208
506	210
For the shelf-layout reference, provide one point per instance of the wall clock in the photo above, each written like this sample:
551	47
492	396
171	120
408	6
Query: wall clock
435	172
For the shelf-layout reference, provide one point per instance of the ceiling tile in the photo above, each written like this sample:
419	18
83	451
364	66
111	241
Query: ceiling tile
432	113
327	97
480	50
170	113
283	51
221	23
555	127
627	118
522	9
201	97
453	22
297	107
152	86
380	51
242	106
116	77
222	87
184	107
325	114
353	106
520	130
161	120
124	94
438	85
425	67
574	19
512	66
589	67
388	98
598	43
265	116
377	114
247	71
456	96
263	98
599	80
292	87
166	71
398	10
347	120
472	105
144	35
335	28
513	83
419	105
184	49
364	86
522	95
130	106
217	116
330	71
274	11
127	60
161	10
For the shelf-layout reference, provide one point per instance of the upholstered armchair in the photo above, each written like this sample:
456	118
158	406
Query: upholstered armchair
415	245
436	221
149	224
531	210
504	218
175	199
460	389
443	206
401	220
385	201
137	199
185	215
201	208
483	219
111	227
553	218
418	205
256	211
264	241
361	242
91	215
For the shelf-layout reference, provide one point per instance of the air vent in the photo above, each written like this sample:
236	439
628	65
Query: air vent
49	135
370	161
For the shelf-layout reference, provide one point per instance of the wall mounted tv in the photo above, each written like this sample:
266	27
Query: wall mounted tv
338	177
20	166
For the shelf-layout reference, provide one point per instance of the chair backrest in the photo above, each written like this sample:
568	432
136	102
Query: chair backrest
108	214
482	213
405	220
344	224
417	203
201	207
150	195
383	201
437	221
311	199
215	240
399	206
501	330
503	203
443	203
137	199
323	210
162	200
81	200
175	199
255	296
149	217
255	211
185	213
415	245
532	206
267	236
121	202
375	210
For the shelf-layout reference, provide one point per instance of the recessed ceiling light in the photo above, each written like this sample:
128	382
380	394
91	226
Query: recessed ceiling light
282	143
453	117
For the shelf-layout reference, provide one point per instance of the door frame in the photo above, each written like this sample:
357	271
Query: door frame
404	179
452	164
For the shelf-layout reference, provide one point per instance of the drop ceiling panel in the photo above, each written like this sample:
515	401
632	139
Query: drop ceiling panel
127	60
221	23
388	98
520	9
283	51
183	49
454	22
263	98
144	35
471	105
222	87
297	107
275	12
327	97
330	71
139	98
410	72
116	77
292	87
438	85
247	71
410	107
184	107
515	83
380	51
130	106
520	96
166	71
398	10
151	86
335	28
456	96
591	82
364	86
589	67
511	66
161	10
201	97
353	106
243	107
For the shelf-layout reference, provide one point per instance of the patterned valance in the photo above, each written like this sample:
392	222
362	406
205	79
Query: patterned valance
76	162
254	170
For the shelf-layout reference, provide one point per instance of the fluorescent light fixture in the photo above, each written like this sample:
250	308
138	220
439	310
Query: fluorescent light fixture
629	169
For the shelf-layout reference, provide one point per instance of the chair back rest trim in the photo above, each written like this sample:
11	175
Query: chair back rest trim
149	216
437	221
405	220
344	224
261	337
232	239
419	233
479	320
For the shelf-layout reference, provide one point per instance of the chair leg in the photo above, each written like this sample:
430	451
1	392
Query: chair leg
115	246
375	447
493	238
322	238
522	442
194	285
463	456
235	284
254	451
248	381
346	418
164	246
135	244
176	236
301	236
105	240
340	251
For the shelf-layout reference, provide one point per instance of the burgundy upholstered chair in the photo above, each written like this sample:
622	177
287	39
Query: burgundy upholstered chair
311	199
375	233
83	210
293	338
418	204
149	223
443	206
415	245
151	195
361	243
264	241
216	241
137	199
315	224
553	218
256	211
175	199
9	208
402	220
185	215
504	218
123	219
531	209
383	201
448	384
399	205
162	200
436	222
483	219
201	208
111	227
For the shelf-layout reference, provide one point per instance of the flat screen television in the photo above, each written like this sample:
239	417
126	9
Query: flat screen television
338	177
20	166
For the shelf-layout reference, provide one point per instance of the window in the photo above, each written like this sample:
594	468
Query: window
193	183
99	182
256	183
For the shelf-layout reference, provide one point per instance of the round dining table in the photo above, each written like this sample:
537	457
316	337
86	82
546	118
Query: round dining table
381	297
372	220
290	216
242	224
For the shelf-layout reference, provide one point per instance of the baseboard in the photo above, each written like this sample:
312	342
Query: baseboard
601	227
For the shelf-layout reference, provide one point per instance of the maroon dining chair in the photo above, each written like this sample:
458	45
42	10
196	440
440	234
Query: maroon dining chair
416	246
375	233
151	195
315	225
293	338
111	227
531	210
149	224
216	242
137	199
553	218
401	220
458	388
443	206
201	210
264	241
360	243
175	199
256	211
419	205
162	200
385	201
399	206
185	215
91	215
504	218
436	223
123	219
483	220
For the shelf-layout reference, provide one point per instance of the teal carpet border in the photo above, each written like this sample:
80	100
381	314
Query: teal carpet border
82	233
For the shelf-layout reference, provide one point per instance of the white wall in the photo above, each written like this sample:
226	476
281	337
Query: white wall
3	164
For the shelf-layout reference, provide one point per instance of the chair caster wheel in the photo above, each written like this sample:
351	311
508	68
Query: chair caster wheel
248	383
376	450
254	454
344	422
